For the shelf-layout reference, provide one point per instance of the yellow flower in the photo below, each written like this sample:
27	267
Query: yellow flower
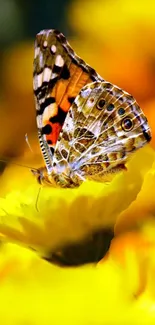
46	218
142	208
33	291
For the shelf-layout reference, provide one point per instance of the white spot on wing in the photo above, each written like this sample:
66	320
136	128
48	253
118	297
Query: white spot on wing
53	48
39	80
86	92
45	44
120	133
69	125
54	75
39	121
96	129
49	111
41	100
47	74
90	102
41	60
59	61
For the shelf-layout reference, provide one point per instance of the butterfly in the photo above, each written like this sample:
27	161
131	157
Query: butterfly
87	127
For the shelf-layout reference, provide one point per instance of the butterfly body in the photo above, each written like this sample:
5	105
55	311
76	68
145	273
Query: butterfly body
87	127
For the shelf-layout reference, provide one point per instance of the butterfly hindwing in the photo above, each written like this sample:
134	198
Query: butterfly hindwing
103	126
59	75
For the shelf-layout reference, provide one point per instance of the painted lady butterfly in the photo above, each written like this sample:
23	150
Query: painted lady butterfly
86	125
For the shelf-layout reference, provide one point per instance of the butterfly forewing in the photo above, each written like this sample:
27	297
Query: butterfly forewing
59	75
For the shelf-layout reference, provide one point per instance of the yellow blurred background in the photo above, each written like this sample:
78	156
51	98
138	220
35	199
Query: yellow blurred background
116	37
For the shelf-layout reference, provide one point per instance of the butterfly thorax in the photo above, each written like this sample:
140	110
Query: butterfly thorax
63	179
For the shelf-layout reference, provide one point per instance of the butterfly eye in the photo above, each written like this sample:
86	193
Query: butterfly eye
121	111
127	124
100	103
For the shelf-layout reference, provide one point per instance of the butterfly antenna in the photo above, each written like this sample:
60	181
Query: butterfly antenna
16	164
37	199
28	143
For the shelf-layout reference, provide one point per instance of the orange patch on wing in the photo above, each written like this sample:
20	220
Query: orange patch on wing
62	95
64	89
53	136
